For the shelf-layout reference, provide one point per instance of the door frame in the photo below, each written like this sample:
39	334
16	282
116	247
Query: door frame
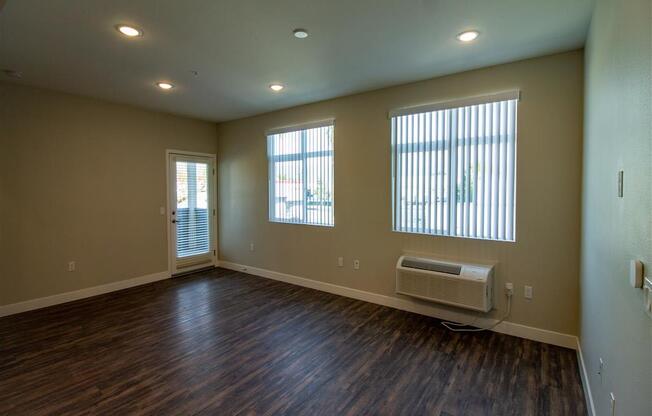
171	251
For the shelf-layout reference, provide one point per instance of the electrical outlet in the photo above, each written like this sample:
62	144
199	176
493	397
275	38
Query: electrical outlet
356	264
340	262
71	266
509	288
251	246
527	292
161	210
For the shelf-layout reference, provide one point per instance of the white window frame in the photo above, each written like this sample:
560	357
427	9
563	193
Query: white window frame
447	231
303	156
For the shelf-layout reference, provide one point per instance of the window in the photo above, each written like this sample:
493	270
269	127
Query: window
191	213
454	168
301	174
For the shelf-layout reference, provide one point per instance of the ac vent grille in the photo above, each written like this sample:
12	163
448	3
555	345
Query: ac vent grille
452	269
463	285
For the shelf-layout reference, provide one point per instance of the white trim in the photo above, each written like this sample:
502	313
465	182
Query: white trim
584	375
456	103
57	299
187	153
303	126
422	308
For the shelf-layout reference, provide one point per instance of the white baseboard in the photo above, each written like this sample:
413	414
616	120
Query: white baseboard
584	375
423	308
32	304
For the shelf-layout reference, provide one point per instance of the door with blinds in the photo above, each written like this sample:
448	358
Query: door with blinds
192	212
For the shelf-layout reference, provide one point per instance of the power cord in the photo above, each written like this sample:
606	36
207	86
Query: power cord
448	324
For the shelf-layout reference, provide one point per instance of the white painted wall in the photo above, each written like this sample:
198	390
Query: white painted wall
618	135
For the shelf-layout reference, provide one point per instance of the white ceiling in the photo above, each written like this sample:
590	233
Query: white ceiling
239	47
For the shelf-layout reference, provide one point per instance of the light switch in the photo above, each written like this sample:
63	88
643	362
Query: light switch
636	273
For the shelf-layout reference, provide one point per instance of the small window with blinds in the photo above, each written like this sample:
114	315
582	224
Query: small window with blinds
454	168
301	174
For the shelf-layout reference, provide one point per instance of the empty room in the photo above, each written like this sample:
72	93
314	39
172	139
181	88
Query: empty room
311	207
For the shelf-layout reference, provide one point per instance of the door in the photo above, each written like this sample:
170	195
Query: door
192	212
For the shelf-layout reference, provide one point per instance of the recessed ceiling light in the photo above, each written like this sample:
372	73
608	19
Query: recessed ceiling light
276	87
468	36
129	31
300	33
164	85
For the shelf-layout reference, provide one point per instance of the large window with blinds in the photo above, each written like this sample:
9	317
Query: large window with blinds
301	174
454	168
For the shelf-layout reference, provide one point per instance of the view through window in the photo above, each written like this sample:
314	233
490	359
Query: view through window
301	175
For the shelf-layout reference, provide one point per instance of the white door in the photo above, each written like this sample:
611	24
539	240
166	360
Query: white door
192	212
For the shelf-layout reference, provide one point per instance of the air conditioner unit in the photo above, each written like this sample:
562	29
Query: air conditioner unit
468	286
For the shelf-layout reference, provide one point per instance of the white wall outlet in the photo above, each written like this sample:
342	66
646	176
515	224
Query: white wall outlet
612	402
251	247
340	262
71	266
527	292
161	210
509	288
356	264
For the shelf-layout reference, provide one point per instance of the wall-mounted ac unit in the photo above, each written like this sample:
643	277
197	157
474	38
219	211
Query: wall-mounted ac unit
468	286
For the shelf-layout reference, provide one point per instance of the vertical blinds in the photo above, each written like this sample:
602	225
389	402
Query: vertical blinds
301	174
454	169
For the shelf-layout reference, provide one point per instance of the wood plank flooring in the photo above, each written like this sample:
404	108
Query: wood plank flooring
227	343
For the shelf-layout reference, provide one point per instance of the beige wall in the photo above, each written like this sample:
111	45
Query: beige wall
618	136
83	180
546	254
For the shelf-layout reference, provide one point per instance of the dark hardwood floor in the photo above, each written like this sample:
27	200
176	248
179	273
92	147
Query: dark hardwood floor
223	343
